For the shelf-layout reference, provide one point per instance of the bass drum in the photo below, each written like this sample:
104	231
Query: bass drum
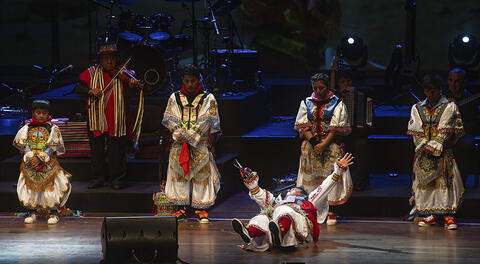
149	66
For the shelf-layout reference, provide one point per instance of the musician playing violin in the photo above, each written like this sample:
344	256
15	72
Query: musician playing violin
109	85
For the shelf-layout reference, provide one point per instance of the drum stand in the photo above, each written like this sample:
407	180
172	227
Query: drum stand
21	101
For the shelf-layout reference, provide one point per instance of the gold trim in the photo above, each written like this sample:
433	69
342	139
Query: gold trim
255	190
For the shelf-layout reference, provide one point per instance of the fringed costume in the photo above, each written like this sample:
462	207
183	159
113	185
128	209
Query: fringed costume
437	185
192	118
46	186
321	117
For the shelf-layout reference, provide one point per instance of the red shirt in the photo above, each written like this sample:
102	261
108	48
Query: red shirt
109	109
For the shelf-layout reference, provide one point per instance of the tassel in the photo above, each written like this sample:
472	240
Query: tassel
184	159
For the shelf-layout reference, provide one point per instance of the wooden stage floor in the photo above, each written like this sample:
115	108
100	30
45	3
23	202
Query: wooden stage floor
77	240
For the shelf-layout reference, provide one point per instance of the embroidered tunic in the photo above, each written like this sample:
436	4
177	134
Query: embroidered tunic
46	186
320	118
437	185
195	120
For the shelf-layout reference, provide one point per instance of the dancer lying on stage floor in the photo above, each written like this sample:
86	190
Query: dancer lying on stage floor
42	184
288	221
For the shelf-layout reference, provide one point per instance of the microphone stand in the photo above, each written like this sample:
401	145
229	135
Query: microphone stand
22	104
53	74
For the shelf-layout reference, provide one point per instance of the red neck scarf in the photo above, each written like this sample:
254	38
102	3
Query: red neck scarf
197	90
327	96
34	121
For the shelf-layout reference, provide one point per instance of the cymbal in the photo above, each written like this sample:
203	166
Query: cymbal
159	35
120	3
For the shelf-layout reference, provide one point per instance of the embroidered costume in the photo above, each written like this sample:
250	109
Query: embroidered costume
437	185
193	118
320	117
291	220
46	186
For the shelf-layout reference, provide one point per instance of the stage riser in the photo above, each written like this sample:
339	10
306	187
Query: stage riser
7	149
238	114
272	157
137	170
275	157
142	203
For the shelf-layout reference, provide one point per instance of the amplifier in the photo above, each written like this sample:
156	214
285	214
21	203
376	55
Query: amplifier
243	64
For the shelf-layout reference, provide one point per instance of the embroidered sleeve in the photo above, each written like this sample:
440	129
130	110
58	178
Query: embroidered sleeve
302	124
263	198
415	129
320	194
339	123
20	140
172	117
54	143
450	125
209	119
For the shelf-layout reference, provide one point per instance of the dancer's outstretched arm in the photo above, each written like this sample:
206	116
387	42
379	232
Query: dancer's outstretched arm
250	179
340	168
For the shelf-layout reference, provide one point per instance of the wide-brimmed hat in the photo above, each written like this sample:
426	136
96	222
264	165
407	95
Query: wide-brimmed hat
107	48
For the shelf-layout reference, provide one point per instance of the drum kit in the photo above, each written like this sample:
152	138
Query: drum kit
150	42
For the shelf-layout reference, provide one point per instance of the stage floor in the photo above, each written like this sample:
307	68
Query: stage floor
77	240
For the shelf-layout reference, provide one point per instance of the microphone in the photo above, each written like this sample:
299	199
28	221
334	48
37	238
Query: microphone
7	86
65	69
39	68
11	88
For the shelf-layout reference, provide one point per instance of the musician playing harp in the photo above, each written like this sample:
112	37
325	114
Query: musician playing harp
321	121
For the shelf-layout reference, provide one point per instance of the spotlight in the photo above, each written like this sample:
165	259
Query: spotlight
464	52
353	51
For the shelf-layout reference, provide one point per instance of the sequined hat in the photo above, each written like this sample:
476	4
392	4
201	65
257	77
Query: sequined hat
107	48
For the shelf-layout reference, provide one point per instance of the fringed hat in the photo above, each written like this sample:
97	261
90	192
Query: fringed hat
107	48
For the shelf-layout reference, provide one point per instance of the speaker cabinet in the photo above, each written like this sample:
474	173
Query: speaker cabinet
149	239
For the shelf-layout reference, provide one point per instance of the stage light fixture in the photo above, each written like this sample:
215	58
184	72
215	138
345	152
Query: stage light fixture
464	52
353	51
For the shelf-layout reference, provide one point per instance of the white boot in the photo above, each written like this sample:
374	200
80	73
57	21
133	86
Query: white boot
53	220
331	219
32	218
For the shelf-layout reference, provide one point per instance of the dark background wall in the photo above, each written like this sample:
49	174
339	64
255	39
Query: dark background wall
26	29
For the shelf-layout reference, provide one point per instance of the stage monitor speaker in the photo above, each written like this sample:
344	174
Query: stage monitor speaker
147	239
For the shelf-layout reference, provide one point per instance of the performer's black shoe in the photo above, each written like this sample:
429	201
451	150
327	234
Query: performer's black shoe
117	186
241	229
275	233
95	184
